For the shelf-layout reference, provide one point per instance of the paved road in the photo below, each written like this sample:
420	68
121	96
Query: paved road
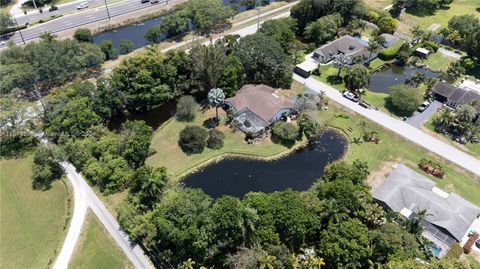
85	196
419	118
81	18
67	8
402	128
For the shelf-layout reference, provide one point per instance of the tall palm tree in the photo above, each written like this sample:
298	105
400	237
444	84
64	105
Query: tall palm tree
248	222
216	97
188	264
340	61
466	113
446	118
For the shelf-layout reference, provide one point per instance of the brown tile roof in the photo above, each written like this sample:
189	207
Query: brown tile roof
261	100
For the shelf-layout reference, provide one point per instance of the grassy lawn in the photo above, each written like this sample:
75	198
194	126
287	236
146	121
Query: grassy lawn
393	148
96	249
32	223
458	7
169	154
328	74
438	62
375	63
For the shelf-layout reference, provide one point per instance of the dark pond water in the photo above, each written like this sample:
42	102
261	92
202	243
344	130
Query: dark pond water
153	118
393	75
136	32
299	170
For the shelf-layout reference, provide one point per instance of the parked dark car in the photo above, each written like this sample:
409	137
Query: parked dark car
155	1
144	1
52	9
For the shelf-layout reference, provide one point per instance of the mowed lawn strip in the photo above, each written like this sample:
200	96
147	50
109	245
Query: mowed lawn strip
96	249
169	154
395	148
33	221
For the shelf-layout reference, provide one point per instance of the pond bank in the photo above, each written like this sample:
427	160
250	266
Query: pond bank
297	168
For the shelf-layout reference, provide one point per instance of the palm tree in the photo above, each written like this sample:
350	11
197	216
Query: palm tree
466	113
248	222
216	97
188	264
152	188
333	212
417	34
372	46
363	126
266	261
446	118
340	61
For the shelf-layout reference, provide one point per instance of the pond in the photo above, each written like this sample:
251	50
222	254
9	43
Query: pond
153	118
136	32
393	75
298	170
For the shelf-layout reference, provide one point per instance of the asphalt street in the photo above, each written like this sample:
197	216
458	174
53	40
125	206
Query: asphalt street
80	18
400	127
67	8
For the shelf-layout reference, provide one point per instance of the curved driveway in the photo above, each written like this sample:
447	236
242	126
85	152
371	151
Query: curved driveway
402	128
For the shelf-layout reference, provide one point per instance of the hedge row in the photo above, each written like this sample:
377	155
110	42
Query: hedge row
387	54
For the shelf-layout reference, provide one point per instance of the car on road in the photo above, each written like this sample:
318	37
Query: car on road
155	1
82	5
350	96
144	1
423	106
52	9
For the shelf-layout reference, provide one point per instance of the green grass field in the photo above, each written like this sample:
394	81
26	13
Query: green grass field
96	249
32	222
169	154
441	16
393	148
438	62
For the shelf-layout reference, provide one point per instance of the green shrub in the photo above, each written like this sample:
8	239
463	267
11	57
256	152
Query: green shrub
215	139
307	125
387	54
285	132
454	252
193	139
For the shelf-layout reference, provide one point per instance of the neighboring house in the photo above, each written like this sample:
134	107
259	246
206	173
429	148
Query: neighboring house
347	45
257	106
453	97
305	68
390	40
449	218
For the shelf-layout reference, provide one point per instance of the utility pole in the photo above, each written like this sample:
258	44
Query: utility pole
106	7
19	31
258	14
34	4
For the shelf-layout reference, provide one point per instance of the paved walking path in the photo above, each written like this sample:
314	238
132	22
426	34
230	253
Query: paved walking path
84	198
402	128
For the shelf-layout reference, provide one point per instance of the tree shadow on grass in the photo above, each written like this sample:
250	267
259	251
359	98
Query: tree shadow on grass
334	80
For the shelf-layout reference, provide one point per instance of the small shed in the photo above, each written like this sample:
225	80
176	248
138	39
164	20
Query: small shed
422	52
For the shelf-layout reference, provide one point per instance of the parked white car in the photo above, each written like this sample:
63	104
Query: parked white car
423	106
82	5
350	96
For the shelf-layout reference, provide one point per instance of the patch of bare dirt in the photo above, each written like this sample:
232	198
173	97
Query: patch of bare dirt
380	174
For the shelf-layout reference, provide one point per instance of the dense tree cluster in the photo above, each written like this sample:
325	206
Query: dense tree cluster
48	60
405	99
46	166
335	223
464	30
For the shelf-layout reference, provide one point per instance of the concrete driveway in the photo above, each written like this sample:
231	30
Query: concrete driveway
419	118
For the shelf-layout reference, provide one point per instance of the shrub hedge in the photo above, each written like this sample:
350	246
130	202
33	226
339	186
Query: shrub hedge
387	54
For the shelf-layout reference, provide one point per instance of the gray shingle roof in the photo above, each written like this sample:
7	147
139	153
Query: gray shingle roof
405	188
347	45
444	89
